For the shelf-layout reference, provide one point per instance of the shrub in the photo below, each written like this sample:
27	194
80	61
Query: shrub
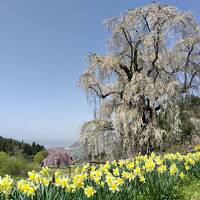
40	156
13	165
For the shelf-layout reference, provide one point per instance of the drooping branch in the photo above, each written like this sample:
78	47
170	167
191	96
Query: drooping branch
133	50
99	92
145	60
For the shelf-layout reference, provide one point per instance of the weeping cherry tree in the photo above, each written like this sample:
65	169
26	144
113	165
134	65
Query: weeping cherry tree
152	60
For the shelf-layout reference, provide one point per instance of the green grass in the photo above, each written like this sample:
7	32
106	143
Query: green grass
190	189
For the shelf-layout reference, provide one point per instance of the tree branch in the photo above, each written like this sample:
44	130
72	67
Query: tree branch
134	51
186	65
147	23
127	71
191	80
156	48
128	39
100	93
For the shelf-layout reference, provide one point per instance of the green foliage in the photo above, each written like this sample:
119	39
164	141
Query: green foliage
163	121
16	157
14	147
193	100
189	189
193	105
186	125
39	156
13	165
188	107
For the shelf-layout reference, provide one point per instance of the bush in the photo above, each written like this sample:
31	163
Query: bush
13	165
41	155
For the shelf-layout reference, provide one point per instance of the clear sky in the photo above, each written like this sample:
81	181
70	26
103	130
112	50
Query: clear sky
43	44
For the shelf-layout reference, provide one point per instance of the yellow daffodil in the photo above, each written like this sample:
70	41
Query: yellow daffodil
26	188
113	187
6	184
89	191
149	165
137	171
33	176
142	179
161	169
182	175
131	165
45	171
116	172
173	169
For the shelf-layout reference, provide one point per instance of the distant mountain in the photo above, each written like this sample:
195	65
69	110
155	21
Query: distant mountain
13	147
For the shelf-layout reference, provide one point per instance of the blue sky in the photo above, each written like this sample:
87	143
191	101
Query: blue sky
43	44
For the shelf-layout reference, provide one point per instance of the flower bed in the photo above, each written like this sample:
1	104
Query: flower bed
144	177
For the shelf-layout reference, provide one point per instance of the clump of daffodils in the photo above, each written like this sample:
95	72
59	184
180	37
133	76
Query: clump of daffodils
6	184
26	187
109	178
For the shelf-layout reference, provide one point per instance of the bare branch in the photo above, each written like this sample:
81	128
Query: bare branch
134	50
186	66
147	23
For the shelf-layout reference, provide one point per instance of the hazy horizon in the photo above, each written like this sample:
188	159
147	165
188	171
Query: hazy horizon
45	142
